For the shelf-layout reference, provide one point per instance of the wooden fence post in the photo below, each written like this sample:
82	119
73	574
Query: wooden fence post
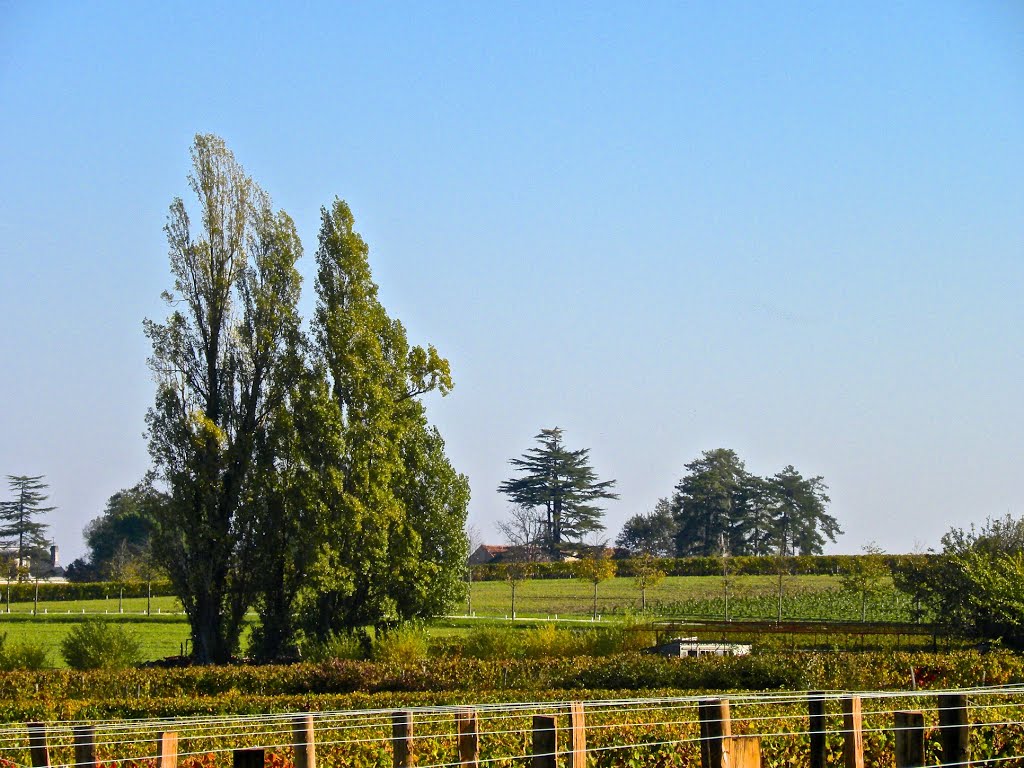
37	747
304	738
741	752
853	736
816	715
85	746
545	741
469	738
577	736
167	750
953	725
248	758
401	739
909	739
715	725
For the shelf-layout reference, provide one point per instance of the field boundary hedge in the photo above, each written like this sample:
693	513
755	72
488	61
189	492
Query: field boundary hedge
767	565
25	591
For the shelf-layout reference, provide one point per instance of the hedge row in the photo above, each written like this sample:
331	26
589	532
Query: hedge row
803	565
25	591
465	678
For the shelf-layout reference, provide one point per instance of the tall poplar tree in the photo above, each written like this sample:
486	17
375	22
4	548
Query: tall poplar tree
397	509
561	486
224	361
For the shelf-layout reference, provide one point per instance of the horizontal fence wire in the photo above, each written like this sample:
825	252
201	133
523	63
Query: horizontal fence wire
503	729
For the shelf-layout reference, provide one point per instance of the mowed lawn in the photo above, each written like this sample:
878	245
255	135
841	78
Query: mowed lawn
159	636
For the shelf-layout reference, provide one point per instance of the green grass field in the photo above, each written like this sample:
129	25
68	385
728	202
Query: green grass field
164	632
804	597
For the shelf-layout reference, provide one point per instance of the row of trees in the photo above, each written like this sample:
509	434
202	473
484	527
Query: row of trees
720	508
295	472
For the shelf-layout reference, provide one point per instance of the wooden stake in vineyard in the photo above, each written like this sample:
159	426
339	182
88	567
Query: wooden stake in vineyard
545	742
167	750
469	738
715	725
401	739
853	734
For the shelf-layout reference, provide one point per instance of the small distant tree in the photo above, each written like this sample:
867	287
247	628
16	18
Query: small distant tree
646	574
19	526
595	568
864	576
515	573
652	534
524	532
727	577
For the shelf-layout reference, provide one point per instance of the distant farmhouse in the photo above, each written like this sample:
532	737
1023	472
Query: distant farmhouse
488	554
38	567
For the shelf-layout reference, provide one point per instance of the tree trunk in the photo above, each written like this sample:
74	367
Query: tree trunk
595	601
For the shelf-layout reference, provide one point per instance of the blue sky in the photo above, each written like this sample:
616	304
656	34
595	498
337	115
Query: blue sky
795	230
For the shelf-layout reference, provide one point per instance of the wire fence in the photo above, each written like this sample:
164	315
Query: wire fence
977	726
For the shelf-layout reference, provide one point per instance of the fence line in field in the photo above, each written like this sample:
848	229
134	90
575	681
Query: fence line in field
727	736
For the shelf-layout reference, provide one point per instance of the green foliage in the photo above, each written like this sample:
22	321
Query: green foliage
976	587
719	503
563	486
647	574
118	540
595	568
99	644
491	643
340	645
406	643
389	541
19	528
302	476
223	359
798	565
865	576
22	655
653	535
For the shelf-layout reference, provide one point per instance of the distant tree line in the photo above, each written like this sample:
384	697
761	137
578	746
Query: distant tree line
720	508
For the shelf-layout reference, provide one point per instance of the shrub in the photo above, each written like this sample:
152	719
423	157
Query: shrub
342	645
548	641
96	644
493	643
22	656
408	642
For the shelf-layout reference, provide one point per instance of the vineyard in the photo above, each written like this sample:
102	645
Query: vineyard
911	728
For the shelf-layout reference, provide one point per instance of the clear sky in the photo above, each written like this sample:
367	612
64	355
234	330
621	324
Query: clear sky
791	229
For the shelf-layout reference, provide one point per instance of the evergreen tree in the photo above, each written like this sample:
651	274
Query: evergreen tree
652	534
719	503
19	528
562	486
709	504
800	521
